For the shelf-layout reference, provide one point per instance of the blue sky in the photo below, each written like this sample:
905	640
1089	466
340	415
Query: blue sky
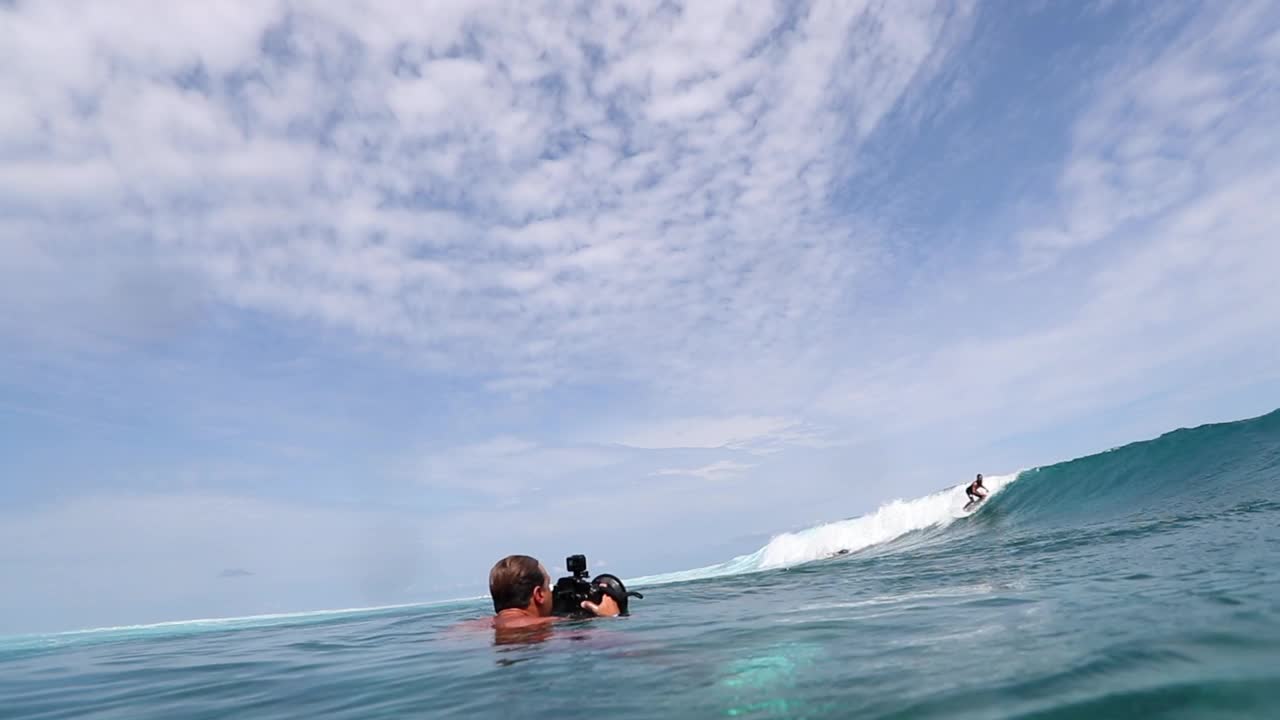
309	306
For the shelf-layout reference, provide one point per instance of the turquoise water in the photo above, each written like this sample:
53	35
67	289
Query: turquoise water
1140	582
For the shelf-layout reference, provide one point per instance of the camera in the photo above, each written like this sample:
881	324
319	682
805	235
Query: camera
570	591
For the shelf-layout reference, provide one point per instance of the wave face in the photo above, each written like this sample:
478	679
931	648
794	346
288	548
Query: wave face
1200	469
1180	471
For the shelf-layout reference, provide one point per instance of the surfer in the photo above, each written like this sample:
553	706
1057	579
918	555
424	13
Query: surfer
521	590
976	490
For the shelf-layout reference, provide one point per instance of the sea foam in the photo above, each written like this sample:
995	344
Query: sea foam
889	522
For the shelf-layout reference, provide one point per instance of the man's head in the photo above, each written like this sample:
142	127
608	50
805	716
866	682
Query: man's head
520	582
979	480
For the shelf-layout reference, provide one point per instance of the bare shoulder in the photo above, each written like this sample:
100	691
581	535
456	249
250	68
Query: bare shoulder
520	621
470	626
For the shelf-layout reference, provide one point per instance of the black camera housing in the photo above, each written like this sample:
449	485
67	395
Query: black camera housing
570	591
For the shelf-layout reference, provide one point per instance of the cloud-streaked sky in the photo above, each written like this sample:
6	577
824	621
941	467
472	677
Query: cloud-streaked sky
314	305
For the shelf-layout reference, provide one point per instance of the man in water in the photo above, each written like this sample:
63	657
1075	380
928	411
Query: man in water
521	590
976	491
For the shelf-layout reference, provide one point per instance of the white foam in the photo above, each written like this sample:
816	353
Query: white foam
891	521
225	623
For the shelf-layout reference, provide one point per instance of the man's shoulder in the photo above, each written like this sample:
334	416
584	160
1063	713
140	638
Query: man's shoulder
520	621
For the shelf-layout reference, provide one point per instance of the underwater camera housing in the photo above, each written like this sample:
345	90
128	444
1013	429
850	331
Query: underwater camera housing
570	591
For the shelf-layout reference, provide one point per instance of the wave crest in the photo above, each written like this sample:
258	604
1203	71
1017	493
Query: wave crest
889	522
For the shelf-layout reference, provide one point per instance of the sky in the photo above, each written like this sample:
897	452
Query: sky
315	305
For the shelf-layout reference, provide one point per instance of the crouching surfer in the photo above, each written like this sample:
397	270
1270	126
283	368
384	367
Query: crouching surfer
976	491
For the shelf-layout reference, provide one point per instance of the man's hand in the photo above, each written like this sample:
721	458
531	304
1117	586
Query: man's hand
606	608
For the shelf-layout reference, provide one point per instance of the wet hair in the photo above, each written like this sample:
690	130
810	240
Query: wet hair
512	581
979	477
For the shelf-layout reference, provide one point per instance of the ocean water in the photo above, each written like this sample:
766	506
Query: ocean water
1140	582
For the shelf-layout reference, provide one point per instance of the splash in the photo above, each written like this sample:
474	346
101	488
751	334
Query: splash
891	521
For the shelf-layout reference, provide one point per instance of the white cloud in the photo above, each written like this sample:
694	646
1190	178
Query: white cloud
1164	131
719	470
706	432
1166	184
614	184
641	196
506	467
756	434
